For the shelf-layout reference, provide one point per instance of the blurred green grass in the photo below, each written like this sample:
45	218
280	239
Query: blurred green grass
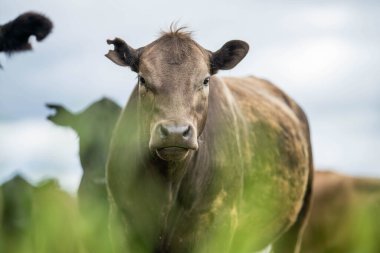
46	219
40	219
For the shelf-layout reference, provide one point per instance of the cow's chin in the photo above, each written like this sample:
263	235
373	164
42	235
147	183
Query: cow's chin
172	153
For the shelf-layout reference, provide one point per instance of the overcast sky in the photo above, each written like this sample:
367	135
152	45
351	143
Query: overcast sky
325	54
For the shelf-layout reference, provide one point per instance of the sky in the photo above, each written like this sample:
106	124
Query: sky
324	54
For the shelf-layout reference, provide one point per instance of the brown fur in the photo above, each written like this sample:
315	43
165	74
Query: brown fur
245	185
343	208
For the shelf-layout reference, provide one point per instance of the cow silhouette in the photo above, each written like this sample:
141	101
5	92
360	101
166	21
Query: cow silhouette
94	127
35	217
16	220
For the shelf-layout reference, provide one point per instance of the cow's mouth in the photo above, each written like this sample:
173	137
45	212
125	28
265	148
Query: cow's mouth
172	153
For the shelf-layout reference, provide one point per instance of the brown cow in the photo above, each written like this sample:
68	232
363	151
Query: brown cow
200	163
344	216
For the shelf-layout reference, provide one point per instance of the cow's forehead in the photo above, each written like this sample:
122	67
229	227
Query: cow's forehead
157	70
170	55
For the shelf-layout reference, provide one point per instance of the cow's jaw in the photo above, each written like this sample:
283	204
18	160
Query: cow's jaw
172	153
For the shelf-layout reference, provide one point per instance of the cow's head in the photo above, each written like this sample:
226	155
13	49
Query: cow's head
173	81
94	127
14	35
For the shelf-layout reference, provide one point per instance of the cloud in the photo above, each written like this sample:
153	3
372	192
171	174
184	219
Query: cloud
37	149
309	60
347	141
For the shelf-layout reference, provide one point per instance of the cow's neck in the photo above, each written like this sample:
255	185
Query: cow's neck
172	173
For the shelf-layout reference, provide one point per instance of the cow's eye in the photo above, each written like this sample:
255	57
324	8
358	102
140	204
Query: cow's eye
206	81
141	80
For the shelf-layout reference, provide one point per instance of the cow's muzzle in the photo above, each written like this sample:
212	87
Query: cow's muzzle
172	140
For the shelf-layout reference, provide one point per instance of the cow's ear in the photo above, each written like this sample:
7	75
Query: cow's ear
229	55
62	116
123	54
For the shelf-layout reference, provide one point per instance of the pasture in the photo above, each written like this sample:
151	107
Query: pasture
43	218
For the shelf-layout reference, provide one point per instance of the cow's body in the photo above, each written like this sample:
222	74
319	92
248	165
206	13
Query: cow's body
246	186
94	127
17	215
344	216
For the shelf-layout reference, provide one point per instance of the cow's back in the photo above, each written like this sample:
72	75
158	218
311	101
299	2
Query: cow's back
261	100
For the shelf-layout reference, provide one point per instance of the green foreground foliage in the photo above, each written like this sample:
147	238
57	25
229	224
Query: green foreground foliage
46	219
40	219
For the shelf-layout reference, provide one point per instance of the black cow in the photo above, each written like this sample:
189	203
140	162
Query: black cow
38	219
15	34
94	126
56	220
16	220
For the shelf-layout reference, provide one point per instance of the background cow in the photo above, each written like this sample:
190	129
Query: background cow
56	221
206	164
94	126
16	220
344	215
36	218
14	35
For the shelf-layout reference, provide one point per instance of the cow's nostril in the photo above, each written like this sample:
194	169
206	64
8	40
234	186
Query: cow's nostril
187	133
164	132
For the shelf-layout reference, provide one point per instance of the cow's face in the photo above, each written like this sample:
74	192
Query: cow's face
173	82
